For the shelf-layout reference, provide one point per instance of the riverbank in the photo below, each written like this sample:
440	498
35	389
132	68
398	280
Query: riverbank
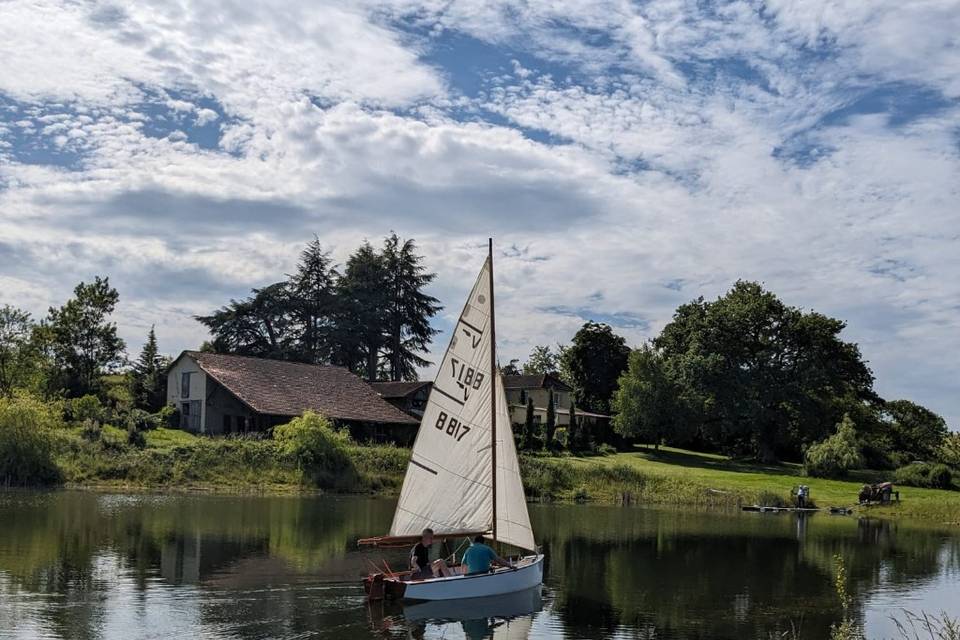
686	478
173	460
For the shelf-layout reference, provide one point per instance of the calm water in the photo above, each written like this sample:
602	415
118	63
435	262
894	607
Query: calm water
84	565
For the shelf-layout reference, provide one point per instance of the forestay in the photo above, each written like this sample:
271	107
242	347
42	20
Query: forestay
448	482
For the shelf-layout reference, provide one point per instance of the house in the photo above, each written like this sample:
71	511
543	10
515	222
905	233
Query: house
409	397
537	387
220	394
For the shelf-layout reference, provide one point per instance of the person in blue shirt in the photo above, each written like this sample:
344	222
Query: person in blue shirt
479	558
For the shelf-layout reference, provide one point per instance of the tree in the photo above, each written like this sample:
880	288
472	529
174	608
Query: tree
16	354
763	378
362	319
529	426
259	326
836	455
511	369
83	341
578	438
915	431
648	404
148	377
409	310
542	360
551	425
313	298
595	359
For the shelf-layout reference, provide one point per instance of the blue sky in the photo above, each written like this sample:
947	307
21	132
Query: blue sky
627	157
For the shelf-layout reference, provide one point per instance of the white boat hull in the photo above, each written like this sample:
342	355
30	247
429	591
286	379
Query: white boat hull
528	574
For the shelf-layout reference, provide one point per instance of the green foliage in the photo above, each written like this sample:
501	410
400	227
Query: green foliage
85	408
949	452
148	377
920	474
83	342
578	438
836	455
551	424
649	404
135	437
916	432
530	440
594	361
17	355
319	451
27	434
542	360
409	310
762	379
374	318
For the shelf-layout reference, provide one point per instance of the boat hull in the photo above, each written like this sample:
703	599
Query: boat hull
527	575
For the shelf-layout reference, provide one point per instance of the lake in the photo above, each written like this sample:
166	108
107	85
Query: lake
86	565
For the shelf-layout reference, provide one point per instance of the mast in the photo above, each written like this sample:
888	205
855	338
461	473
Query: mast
493	394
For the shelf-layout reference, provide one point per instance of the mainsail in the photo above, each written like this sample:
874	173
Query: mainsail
448	485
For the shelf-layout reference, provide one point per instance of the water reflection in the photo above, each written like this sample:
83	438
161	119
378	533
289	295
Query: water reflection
504	617
88	566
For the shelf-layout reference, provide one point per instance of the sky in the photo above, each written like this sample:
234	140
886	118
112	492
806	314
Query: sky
626	157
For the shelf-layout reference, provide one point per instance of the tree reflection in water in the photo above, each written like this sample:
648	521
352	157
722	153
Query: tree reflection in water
86	565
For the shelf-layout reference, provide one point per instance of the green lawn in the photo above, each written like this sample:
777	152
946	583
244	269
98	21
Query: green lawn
718	473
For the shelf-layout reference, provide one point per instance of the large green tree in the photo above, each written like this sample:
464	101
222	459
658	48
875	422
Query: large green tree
313	304
16	352
83	342
916	433
148	376
409	310
260	326
594	361
763	378
362	315
649	405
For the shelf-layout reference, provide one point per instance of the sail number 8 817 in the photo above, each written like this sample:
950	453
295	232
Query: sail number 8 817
451	426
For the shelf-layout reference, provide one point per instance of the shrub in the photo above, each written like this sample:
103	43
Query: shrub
135	437
319	451
26	443
836	455
84	408
140	420
921	474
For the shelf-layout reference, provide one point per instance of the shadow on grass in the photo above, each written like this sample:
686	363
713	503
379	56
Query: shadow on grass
696	460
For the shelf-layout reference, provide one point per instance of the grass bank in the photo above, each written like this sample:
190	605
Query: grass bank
676	476
177	460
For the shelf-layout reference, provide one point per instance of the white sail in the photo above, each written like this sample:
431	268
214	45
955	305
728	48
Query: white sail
513	519
448	485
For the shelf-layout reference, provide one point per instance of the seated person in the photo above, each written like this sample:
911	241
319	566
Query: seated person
479	557
420	557
420	562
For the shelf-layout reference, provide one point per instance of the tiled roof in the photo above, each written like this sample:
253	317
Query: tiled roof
398	389
539	381
276	387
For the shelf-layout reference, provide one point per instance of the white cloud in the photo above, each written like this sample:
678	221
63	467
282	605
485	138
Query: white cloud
331	123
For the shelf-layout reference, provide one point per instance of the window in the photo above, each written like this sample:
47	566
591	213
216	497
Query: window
523	396
185	384
226	423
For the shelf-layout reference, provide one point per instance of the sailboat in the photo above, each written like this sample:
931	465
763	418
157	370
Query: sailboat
463	478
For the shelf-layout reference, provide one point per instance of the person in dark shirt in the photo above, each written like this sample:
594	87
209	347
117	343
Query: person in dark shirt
420	556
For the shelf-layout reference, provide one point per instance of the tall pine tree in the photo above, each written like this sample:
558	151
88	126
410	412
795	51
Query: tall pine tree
314	304
409	310
362	322
148	379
